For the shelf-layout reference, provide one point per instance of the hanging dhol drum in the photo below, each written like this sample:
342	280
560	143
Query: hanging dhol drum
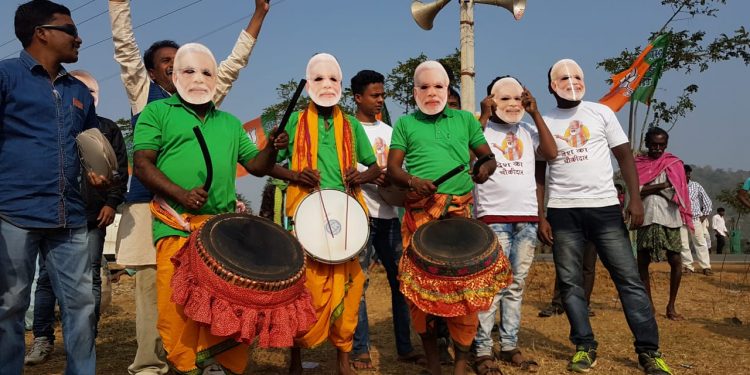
454	267
393	194
97	155
244	276
331	225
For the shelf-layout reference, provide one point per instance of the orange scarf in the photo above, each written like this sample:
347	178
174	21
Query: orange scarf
305	152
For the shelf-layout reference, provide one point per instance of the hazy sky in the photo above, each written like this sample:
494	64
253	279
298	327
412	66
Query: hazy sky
376	34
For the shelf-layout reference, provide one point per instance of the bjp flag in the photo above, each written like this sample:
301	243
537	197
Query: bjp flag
256	130
625	83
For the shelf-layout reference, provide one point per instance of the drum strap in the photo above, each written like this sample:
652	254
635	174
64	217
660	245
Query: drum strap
305	152
167	215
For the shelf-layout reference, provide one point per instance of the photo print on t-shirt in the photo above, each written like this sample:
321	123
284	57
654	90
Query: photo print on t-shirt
576	136
380	148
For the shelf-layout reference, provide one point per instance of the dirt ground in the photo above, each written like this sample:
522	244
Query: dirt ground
714	338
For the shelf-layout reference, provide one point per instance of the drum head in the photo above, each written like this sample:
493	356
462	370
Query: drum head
252	247
453	241
97	155
331	225
393	195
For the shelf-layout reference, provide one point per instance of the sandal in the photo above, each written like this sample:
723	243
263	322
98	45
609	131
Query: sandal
485	365
362	362
523	364
413	358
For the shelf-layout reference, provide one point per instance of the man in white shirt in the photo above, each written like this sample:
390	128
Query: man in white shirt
720	229
583	206
147	79
510	202
385	227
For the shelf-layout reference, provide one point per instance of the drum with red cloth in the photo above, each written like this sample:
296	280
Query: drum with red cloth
244	276
454	267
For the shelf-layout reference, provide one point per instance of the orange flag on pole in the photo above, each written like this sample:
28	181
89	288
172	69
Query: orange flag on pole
626	82
256	131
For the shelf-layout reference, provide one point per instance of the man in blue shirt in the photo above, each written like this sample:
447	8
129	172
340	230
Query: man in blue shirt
42	110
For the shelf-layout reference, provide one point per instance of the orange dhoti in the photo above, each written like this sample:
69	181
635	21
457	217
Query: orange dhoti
189	344
336	290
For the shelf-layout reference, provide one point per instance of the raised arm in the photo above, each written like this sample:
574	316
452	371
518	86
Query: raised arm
132	70
229	69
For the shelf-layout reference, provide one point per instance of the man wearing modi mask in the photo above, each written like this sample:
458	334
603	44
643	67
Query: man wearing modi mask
583	206
325	146
510	202
168	160
433	140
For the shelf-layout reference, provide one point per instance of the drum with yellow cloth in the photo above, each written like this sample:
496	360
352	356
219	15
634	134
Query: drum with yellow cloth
244	276
454	267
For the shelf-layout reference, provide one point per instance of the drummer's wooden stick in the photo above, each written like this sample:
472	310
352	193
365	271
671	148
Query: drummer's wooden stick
448	175
206	158
290	107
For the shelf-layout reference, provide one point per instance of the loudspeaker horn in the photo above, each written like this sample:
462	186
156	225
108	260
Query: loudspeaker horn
517	7
424	14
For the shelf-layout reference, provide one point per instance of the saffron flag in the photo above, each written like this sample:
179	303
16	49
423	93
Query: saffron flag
256	129
646	70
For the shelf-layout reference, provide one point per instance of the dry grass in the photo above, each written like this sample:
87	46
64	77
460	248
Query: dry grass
714	338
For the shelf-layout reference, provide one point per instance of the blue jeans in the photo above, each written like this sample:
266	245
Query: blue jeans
44	295
604	226
385	241
518	241
69	268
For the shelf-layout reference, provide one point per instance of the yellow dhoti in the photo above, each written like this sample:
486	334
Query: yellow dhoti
336	290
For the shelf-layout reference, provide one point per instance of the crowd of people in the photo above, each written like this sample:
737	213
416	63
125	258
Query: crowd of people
546	182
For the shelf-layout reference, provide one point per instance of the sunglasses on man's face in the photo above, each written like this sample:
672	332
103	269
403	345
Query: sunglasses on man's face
69	29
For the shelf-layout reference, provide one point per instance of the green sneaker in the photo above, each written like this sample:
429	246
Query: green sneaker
584	359
653	364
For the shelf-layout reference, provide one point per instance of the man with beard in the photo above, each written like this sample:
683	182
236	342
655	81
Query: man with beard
432	140
316	136
148	79
667	208
42	211
510	202
583	206
168	160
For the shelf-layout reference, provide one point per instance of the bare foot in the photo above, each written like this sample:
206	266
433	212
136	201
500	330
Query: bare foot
673	315
344	366
361	361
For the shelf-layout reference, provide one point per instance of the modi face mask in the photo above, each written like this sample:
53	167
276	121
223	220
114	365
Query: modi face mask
430	87
507	95
194	74
324	80
566	80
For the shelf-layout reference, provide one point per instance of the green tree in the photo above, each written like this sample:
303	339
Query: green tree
127	134
688	52
400	82
729	197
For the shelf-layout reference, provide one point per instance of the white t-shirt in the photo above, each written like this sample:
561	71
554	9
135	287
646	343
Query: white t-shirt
511	190
581	174
379	134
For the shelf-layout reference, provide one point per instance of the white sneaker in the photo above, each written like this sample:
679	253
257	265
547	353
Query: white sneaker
40	352
213	370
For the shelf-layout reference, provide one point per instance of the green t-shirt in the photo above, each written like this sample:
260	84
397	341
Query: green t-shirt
436	144
328	160
166	126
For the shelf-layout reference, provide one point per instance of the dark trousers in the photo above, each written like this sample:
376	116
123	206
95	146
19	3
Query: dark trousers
589	274
720	242
604	226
